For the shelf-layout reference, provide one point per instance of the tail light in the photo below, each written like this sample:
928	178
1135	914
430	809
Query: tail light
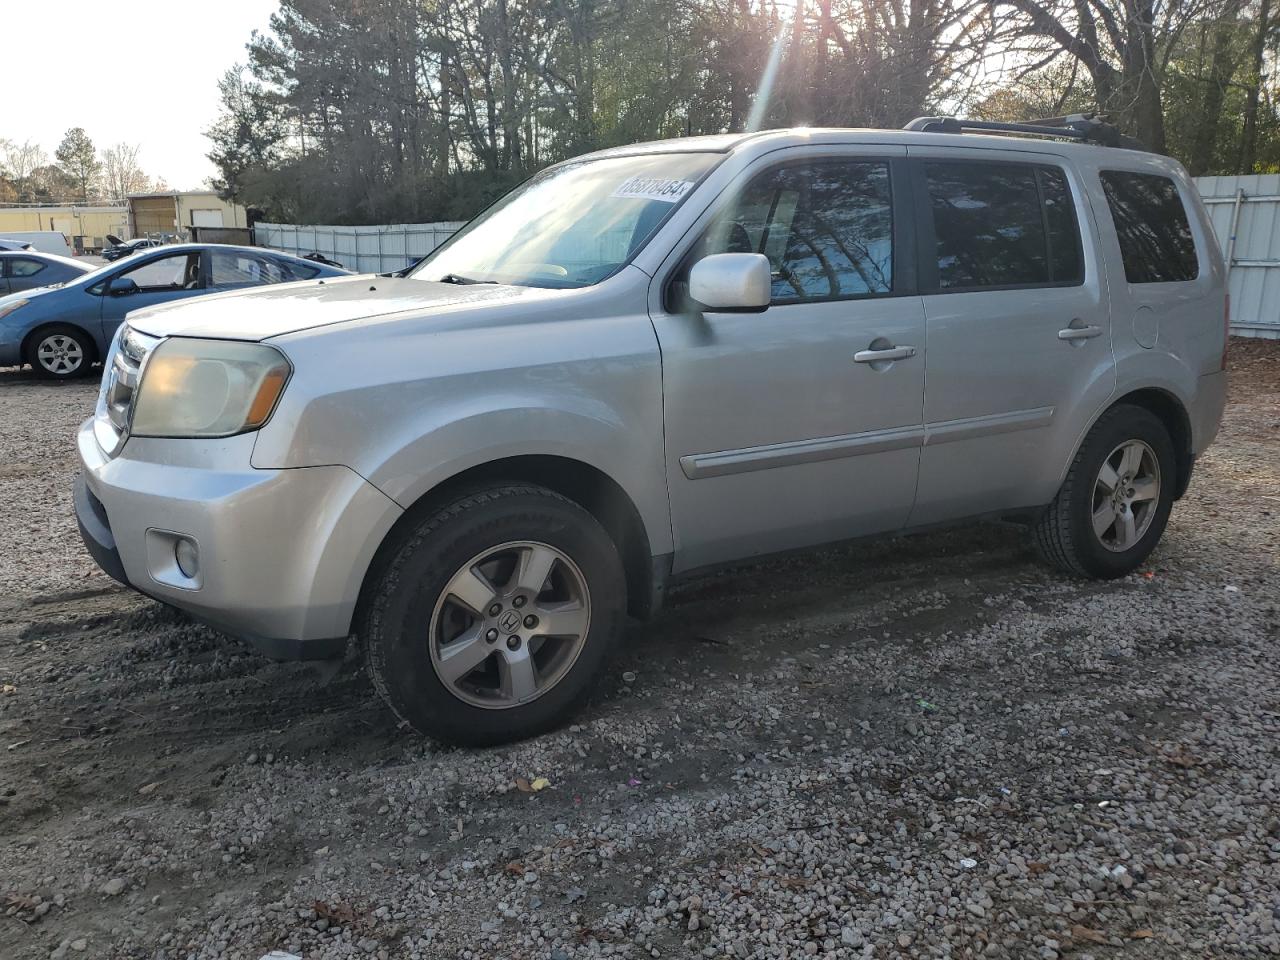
1226	329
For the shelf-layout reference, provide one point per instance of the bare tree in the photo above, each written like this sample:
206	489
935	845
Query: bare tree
1249	141
121	172
21	160
1125	45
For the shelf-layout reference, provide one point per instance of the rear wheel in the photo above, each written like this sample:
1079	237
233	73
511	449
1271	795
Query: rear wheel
491	620
1114	504
60	353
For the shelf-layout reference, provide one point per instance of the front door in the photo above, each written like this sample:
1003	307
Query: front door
1020	354
159	278
802	424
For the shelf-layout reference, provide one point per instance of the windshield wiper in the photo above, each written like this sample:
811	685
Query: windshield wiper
455	278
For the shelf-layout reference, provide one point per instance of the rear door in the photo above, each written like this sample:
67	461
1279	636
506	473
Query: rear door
1016	304
802	424
4	275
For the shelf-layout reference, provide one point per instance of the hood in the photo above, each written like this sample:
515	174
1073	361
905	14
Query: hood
273	311
32	294
113	239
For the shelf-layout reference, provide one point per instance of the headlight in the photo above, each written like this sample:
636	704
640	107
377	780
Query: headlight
208	388
8	308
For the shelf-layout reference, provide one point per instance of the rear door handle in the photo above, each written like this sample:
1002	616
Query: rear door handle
885	355
1079	333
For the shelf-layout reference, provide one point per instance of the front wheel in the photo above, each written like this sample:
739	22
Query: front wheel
61	353
1114	504
491	620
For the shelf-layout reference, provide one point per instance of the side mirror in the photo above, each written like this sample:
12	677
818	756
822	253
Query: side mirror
122	287
731	283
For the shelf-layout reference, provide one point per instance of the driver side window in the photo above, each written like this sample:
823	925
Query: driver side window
825	225
178	271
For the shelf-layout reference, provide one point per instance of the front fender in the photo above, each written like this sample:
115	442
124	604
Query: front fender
434	453
55	308
409	401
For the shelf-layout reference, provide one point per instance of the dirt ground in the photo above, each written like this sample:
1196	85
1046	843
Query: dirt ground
927	746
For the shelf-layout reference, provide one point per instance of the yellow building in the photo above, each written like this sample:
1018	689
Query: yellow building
176	212
85	227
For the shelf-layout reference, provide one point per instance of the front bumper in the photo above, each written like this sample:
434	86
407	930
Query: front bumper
10	351
281	553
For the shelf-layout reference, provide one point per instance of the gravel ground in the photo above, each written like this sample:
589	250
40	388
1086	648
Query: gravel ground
923	747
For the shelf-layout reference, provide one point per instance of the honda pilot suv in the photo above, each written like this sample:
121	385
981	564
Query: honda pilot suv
651	361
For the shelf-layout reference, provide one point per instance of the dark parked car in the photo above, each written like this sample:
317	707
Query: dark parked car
27	269
123	248
62	330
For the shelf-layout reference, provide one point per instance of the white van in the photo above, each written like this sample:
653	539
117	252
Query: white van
46	241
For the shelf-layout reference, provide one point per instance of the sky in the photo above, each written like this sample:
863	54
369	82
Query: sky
142	71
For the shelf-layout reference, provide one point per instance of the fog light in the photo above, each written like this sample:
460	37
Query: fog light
184	551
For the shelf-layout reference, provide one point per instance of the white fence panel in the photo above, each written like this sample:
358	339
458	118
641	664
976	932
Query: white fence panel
1246	218
375	249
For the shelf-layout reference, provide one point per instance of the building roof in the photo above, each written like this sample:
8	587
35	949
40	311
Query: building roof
173	193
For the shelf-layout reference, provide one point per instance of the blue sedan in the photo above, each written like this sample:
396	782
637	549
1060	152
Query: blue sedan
27	269
62	330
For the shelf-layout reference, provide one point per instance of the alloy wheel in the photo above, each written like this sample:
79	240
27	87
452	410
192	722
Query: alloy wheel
60	354
509	624
1126	495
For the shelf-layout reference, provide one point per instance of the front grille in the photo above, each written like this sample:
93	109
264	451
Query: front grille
119	387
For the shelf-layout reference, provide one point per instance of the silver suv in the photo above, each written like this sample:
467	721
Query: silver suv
651	361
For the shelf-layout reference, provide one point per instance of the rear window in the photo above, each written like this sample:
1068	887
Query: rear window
24	267
1151	223
1002	225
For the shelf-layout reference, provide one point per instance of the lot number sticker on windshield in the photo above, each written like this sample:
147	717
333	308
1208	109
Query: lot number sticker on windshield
654	188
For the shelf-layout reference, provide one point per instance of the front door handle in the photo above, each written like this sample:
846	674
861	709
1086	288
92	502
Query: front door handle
1079	333
884	355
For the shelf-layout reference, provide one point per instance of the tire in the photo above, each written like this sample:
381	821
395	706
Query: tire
61	352
503	535
1065	534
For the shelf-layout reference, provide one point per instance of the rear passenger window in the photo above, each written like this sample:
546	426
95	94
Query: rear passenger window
289	270
1152	226
1065	262
1002	225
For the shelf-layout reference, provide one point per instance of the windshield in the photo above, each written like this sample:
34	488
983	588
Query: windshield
87	279
570	226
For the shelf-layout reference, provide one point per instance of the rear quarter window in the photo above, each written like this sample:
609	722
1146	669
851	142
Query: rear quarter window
25	267
1151	222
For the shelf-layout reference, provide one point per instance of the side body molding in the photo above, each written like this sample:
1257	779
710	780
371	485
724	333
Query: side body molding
724	462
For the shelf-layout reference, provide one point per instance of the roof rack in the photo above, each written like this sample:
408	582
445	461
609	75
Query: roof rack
1085	127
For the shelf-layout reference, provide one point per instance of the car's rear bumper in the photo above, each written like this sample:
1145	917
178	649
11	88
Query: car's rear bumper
1206	410
281	554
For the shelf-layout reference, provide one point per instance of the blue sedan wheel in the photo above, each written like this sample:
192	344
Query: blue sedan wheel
61	353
